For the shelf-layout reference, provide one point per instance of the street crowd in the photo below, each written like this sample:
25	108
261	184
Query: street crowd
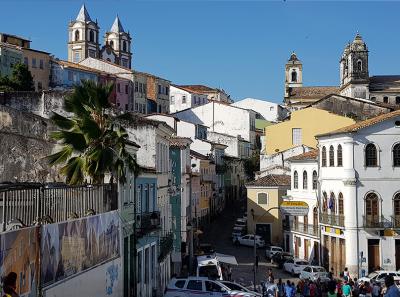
333	287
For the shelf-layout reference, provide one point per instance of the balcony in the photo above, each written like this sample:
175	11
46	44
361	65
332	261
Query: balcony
378	222
306	229
332	219
147	222
396	222
166	245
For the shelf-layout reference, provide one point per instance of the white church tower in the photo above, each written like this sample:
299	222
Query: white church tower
293	73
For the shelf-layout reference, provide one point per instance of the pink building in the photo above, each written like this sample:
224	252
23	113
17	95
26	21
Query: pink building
124	94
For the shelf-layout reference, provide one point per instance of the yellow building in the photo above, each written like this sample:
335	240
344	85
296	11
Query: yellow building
38	63
301	129
264	196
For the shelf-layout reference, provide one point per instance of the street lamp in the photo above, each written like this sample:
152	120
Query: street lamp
189	228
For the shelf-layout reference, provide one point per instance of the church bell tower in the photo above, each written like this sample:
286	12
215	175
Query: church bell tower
293	73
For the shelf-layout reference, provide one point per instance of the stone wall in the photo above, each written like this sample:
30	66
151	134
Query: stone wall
24	140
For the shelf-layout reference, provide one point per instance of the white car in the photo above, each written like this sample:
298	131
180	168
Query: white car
272	250
237	232
249	240
200	286
241	223
239	287
379	276
208	266
313	273
295	266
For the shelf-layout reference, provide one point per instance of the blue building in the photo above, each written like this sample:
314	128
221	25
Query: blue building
66	75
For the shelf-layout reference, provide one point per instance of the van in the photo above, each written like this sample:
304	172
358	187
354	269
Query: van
208	266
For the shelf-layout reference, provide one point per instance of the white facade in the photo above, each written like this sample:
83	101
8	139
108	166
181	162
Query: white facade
236	146
302	236
358	193
280	159
180	99
268	110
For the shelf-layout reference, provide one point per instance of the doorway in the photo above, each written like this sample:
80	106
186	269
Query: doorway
397	251
287	243
306	244
373	255
264	230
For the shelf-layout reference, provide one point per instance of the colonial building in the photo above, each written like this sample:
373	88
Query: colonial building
359	203
302	233
184	98
9	56
213	94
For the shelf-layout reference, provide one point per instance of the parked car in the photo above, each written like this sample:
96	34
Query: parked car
295	266
313	273
241	223
379	276
239	287
237	232
208	266
249	240
280	258
206	249
200	286
271	250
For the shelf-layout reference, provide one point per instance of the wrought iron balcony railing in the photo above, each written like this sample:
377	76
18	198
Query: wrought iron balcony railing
332	219
307	229
147	222
377	221
396	222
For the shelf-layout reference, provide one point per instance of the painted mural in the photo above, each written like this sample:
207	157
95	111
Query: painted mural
19	254
71	247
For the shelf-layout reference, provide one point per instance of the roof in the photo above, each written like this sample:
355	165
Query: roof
117	26
151	75
187	89
312	92
76	66
14	36
35	50
310	155
271	180
199	88
384	83
198	155
364	124
214	143
138	120
293	57
83	15
181	142
110	63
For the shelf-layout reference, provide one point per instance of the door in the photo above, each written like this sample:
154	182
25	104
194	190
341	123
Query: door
306	243
287	243
264	230
296	247
397	250
372	210
333	255
373	255
316	252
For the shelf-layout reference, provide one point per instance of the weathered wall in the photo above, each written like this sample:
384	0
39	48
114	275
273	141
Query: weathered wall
24	142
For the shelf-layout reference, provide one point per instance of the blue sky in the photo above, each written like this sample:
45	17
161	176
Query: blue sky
241	46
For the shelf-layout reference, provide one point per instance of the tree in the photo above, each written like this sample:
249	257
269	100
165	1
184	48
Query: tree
93	143
252	164
20	80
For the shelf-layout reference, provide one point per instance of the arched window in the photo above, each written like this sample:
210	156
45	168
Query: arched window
294	76
340	204
305	222
112	44
359	65
324	202
314	180
124	46
371	210
91	36
373	99
385	99
315	219
77	35
331	156
396	155
295	180
305	180
323	158
396	210
371	155
339	156
397	100
332	203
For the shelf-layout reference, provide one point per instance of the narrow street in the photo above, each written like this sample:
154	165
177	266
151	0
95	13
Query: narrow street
219	235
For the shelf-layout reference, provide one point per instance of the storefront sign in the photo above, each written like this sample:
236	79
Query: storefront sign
294	208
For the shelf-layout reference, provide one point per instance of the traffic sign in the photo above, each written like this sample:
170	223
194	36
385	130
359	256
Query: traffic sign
294	208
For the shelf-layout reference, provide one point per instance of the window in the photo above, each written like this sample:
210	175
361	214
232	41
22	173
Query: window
324	202
77	57
124	46
33	63
180	284
305	180
139	264
119	88
262	198
331	156
359	65
295	180
125	63
195	285
91	36
323	157
153	261
397	100
146	266
332	203
159	89
136	86
396	209
172	100
126	89
183	99
294	76
396	155
212	287
373	99
41	64
296	136
77	37
314	180
371	208
112	44
26	61
371	156
341	205
385	99
339	156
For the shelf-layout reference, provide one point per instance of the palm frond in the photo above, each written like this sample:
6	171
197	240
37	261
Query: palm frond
61	156
61	121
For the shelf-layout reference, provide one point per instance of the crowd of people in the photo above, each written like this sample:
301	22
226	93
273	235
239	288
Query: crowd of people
341	287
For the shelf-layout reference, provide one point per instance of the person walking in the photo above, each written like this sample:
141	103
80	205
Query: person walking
289	290
346	289
346	274
281	288
271	289
10	285
391	288
229	273
270	276
376	289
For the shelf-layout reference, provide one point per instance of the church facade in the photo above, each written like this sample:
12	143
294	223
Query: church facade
355	81
84	41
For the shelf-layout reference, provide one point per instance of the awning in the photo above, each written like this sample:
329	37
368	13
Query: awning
228	259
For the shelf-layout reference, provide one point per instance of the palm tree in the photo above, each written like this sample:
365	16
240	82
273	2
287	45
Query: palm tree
93	143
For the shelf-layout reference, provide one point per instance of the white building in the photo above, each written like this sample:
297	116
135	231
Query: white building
183	98
223	118
360	195
268	110
302	233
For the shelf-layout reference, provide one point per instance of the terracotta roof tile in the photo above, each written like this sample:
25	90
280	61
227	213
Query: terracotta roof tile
364	124
312	92
382	83
272	180
310	155
76	66
190	90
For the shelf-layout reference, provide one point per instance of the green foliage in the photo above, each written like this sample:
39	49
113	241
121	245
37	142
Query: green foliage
252	164
21	79
93	144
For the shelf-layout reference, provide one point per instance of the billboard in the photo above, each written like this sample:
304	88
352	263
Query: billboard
71	247
19	253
